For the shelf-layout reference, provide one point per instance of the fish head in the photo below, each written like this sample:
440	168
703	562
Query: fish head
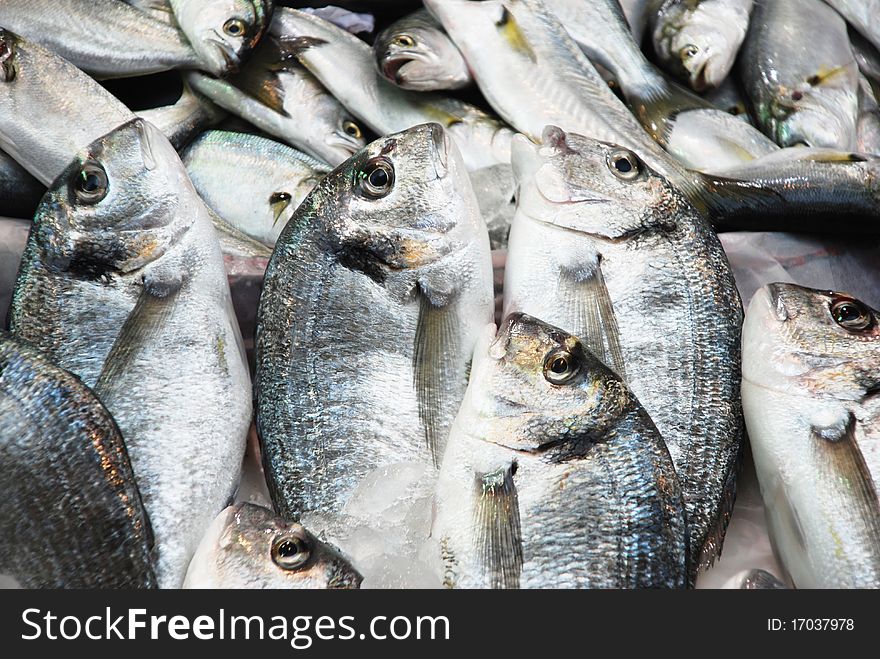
118	206
402	202
419	58
249	546
224	32
820	116
345	138
533	385
825	341
585	185
702	44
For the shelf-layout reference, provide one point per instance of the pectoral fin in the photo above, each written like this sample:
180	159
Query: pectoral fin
498	537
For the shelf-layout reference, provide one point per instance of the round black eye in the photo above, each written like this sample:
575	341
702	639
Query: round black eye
378	178
796	95
624	164
351	128
91	183
234	27
404	41
851	315
688	51
560	367
290	552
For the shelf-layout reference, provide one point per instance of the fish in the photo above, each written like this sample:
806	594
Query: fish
279	96
810	383
272	177
73	515
862	15
345	66
248	546
182	121
866	54
105	38
698	40
20	192
755	579
729	97
414	53
798	70
74	109
605	248
372	302
554	475
681	121
223	33
868	127
636	12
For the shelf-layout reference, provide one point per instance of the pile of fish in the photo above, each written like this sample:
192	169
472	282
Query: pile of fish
431	294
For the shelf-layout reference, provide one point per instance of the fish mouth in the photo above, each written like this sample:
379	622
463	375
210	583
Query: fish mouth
393	63
7	56
229	56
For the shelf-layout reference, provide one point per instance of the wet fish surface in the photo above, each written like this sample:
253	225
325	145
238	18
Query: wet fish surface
554	475
810	382
248	546
73	514
371	304
601	245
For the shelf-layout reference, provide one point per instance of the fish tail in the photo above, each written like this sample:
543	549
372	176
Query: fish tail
498	536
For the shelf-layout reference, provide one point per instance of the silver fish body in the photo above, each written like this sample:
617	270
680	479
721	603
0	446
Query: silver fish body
371	304
279	96
72	513
223	33
73	109
810	365
713	140
272	178
602	247
105	38
554	475
799	72
698	40
414	53
182	121
862	15
248	546
869	118
344	65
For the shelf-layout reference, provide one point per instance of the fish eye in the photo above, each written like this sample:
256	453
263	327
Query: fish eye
560	367
624	164
91	183
688	51
352	129
378	178
851	314
290	552
404	41
234	27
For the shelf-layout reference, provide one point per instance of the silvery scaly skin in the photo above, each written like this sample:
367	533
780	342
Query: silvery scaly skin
279	96
636	12
371	304
554	475
415	53
862	15
869	118
799	72
72	515
122	282
223	32
272	177
50	109
811	372
698	40
248	546
344	64
105	38
866	54
605	248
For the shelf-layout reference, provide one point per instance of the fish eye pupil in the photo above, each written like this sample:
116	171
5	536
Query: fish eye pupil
623	165
379	178
288	549
90	182
559	365
233	27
